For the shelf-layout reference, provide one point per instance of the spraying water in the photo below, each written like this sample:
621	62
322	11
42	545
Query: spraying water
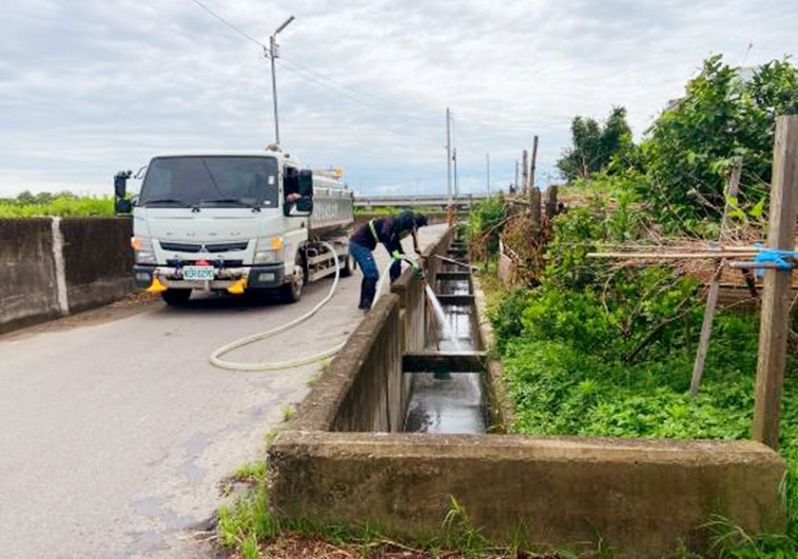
447	333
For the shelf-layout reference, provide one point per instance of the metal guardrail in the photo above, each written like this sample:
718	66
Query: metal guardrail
441	200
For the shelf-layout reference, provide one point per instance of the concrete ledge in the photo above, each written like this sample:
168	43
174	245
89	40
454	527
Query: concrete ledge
640	497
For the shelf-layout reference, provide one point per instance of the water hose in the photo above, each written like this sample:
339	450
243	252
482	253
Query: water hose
396	256
280	365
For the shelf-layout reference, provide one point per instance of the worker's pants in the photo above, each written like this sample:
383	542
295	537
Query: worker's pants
365	261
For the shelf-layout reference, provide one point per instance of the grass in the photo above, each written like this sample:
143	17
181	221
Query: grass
63	207
249	529
289	412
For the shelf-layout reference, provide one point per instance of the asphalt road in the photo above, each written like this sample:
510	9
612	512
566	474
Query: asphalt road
117	433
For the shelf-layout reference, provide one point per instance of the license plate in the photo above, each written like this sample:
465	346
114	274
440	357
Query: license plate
198	273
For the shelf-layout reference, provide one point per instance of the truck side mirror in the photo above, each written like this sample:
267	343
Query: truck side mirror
304	204
120	183
306	183
122	206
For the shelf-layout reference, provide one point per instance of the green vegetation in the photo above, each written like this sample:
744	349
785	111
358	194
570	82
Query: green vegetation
596	146
724	117
483	227
64	204
597	347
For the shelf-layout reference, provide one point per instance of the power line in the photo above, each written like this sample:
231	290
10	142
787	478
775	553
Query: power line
361	98
341	85
228	24
362	101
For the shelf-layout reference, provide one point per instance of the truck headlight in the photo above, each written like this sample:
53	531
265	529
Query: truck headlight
269	250
142	248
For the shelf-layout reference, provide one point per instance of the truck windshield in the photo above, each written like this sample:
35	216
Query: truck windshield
210	181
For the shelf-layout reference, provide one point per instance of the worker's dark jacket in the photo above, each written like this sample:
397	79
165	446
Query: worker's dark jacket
388	230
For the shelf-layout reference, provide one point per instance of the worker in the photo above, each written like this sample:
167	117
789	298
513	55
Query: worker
389	231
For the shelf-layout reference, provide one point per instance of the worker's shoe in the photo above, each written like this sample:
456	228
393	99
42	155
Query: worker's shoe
368	289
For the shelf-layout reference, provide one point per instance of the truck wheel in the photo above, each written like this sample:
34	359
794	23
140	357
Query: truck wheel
347	267
176	297
291	292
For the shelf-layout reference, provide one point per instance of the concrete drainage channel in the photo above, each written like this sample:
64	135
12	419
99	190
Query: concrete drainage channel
347	455
446	393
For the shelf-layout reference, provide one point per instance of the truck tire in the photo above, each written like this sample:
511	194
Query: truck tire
176	297
348	266
291	292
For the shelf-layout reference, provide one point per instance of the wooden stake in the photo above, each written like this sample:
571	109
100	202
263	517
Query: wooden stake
531	182
732	189
774	326
534	208
524	171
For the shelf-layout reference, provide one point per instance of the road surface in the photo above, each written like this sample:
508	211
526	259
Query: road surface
117	433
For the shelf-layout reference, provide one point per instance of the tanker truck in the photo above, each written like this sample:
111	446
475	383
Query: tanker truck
236	222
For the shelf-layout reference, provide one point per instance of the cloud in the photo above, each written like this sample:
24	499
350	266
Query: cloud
90	87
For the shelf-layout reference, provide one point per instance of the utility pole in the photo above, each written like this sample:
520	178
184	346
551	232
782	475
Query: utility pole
273	54
515	184
449	156
456	182
487	163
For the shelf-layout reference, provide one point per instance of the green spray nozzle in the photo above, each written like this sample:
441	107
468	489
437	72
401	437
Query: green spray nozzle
414	264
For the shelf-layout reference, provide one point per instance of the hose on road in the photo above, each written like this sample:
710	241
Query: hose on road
280	365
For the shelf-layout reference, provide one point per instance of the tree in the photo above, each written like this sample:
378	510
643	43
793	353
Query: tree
595	146
723	117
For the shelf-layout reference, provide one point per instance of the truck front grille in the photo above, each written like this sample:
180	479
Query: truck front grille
208	247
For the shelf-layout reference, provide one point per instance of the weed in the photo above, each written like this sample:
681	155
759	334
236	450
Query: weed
247	521
460	533
289	412
732	541
251	472
271	436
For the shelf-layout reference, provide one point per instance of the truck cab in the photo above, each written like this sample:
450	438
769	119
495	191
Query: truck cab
237	222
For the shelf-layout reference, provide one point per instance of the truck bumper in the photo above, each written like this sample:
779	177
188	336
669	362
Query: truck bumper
268	276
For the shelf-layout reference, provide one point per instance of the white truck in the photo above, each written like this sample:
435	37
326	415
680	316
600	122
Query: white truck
238	222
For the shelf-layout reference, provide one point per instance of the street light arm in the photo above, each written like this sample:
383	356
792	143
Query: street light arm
284	25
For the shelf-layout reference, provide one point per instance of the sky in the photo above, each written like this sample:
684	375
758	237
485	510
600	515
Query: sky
91	87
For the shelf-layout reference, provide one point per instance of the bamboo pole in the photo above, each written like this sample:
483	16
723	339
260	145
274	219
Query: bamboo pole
750	253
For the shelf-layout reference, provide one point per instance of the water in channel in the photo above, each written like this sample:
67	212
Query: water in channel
450	402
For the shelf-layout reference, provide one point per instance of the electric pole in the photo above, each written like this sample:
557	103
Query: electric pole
448	156
487	162
273	53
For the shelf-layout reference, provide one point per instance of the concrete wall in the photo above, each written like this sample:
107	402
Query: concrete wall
51	267
640	497
361	390
643	498
28	288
